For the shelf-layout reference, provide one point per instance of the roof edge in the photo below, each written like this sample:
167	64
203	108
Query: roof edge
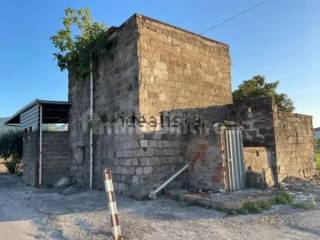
30	105
137	15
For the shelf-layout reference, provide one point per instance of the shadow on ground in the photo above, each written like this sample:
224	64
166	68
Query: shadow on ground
20	202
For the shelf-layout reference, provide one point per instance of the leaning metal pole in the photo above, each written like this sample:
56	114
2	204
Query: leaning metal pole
153	194
112	205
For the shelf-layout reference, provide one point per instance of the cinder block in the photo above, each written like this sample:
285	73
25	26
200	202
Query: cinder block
144	143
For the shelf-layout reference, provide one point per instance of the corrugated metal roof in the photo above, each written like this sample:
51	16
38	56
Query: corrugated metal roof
15	119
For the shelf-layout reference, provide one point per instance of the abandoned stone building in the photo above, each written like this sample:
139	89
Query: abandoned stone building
155	75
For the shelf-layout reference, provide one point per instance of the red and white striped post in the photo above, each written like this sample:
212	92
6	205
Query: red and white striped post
112	205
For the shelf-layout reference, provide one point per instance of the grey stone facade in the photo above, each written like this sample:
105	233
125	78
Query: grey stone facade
155	71
287	137
295	145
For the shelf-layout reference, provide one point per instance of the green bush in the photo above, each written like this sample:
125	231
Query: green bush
11	143
259	206
318	160
318	145
307	205
254	207
282	198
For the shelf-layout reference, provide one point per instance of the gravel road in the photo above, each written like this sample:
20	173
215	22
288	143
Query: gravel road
29	213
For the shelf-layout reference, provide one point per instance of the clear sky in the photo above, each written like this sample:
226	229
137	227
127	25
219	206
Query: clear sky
279	39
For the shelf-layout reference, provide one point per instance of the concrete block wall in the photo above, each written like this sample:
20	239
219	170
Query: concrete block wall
56	159
295	146
30	158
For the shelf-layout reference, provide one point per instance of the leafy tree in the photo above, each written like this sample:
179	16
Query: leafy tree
11	147
318	145
80	40
258	87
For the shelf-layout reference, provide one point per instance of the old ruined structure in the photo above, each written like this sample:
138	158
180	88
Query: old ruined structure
287	140
154	68
162	98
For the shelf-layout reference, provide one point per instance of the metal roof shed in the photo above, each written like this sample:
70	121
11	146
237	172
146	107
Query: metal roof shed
49	112
31	119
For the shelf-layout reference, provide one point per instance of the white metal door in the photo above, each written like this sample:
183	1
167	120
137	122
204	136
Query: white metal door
234	154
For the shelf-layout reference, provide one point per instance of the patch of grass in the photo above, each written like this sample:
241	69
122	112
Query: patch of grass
191	203
176	197
282	198
259	206
307	205
252	207
248	207
318	160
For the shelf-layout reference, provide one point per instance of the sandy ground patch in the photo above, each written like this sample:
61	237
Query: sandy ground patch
49	214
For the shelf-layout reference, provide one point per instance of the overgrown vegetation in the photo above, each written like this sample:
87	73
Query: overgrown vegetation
248	207
259	206
79	41
318	154
318	161
11	143
307	205
3	127
258	87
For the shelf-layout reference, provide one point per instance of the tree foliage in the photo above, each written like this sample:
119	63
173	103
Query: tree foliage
80	40
11	144
318	145
11	148
258	87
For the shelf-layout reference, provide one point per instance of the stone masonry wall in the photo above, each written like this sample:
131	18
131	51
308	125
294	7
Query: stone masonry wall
148	162
180	70
288	137
56	157
256	117
145	73
256	159
153	68
180	74
205	156
294	145
115	94
30	158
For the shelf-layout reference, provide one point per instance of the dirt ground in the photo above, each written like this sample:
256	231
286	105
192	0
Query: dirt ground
29	213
